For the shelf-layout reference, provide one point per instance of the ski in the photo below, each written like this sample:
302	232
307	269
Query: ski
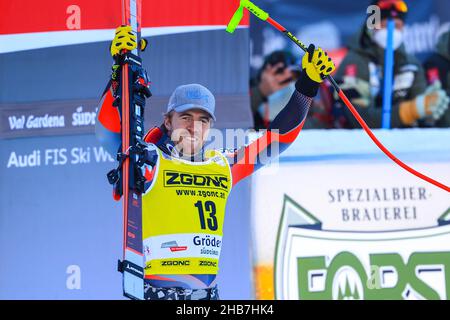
132	93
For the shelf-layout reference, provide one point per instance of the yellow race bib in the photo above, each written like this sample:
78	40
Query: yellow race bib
183	213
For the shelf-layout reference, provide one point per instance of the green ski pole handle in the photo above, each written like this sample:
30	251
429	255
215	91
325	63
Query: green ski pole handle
264	16
260	13
237	17
235	20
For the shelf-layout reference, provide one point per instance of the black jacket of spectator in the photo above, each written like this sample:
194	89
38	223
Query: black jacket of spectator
362	70
438	67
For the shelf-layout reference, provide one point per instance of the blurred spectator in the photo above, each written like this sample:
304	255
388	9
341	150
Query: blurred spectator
361	77
273	87
438	69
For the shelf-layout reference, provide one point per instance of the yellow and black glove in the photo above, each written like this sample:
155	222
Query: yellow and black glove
317	64
125	39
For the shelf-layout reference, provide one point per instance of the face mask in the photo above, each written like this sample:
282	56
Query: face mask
276	102
380	38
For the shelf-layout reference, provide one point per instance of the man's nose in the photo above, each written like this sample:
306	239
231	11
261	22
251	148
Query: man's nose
196	127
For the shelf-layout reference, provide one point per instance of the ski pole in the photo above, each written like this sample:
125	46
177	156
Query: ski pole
261	14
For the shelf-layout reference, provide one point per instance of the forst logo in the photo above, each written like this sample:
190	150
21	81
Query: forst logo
389	277
176	179
313	263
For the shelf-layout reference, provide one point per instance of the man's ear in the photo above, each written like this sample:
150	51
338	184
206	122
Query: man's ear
167	123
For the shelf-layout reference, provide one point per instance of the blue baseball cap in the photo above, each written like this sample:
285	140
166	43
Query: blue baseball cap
192	96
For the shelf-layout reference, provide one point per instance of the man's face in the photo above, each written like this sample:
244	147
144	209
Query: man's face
380	35
189	130
399	24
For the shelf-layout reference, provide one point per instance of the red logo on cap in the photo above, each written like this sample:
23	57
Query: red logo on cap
433	75
351	70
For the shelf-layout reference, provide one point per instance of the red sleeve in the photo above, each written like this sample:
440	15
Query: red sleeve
282	133
108	115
